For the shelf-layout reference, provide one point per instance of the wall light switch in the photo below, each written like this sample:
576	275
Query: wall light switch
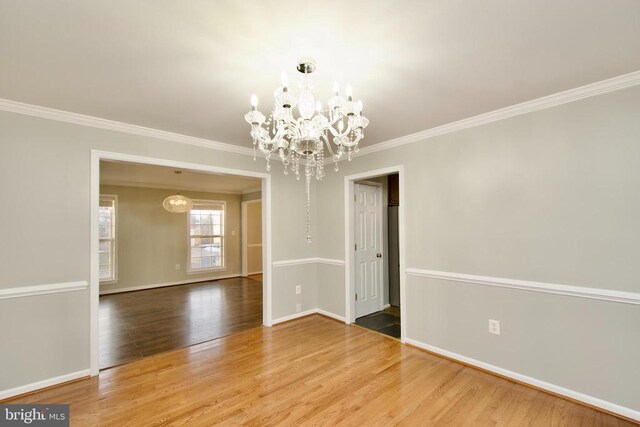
494	327
177	266
233	232
298	289
298	308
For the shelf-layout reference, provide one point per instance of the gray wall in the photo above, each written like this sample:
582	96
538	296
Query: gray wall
46	163
151	241
550	196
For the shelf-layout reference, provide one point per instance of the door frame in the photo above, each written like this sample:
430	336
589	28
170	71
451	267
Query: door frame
245	243
381	282
94	284
349	241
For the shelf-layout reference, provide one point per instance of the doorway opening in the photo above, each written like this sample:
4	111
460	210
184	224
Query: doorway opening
165	278
375	283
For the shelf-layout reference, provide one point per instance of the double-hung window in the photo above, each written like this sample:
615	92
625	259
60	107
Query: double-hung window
107	250
206	236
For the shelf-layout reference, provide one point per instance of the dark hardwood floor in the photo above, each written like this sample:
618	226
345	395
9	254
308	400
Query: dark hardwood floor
134	325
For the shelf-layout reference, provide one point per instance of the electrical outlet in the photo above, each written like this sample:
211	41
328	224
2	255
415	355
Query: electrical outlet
177	266
298	289
298	308
494	327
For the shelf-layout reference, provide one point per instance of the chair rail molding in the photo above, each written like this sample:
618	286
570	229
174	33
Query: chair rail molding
302	261
52	288
549	288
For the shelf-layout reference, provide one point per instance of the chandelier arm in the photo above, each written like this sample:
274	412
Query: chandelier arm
337	133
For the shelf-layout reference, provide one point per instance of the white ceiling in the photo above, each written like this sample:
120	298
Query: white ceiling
149	176
190	66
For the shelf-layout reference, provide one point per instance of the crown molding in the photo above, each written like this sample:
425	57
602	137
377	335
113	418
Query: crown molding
571	95
96	122
155	186
593	89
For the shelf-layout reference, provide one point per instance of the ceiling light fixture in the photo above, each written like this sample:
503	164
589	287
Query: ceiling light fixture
177	203
302	140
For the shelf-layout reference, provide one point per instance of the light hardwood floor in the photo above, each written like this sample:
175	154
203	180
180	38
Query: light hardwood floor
311	371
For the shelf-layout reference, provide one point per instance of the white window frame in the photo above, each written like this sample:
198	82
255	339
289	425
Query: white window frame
199	203
114	239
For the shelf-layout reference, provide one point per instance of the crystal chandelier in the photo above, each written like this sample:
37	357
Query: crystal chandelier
301	140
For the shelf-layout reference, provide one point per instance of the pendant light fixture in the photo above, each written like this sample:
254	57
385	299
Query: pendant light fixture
300	139
177	203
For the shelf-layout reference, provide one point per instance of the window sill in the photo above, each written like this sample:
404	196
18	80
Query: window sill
206	270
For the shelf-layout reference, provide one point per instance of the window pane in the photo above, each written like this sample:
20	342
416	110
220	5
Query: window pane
107	234
206	222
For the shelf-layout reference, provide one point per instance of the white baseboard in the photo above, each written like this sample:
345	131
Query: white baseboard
162	285
16	391
581	397
254	272
330	314
293	316
307	313
386	306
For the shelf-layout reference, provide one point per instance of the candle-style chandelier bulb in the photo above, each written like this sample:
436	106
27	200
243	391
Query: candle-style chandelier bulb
302	140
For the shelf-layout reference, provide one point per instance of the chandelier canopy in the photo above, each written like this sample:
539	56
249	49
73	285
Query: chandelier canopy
300	139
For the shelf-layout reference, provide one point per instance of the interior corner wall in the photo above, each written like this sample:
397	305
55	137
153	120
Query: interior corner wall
255	195
152	241
46	164
549	196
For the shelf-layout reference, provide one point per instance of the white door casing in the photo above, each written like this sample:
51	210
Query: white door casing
368	249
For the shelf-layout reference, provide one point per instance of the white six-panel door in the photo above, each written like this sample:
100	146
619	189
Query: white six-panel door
368	249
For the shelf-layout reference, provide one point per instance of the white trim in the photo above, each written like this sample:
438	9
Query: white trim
589	400
330	314
386	306
254	272
301	261
96	156
593	89
223	236
28	388
308	313
52	288
575	94
329	261
96	122
114	240
349	191
293	316
550	288
166	284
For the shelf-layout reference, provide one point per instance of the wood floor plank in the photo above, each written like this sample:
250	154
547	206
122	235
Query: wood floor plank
311	371
133	325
